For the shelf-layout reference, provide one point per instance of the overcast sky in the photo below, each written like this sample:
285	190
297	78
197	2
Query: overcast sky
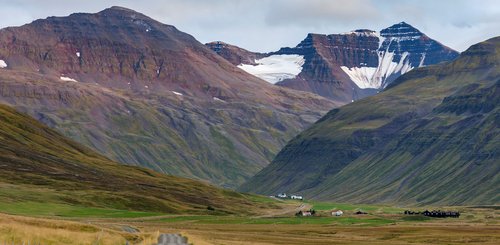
267	25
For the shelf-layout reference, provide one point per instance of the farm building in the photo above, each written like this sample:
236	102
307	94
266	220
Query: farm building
282	195
337	213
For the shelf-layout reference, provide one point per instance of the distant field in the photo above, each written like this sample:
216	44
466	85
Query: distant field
326	206
277	220
382	225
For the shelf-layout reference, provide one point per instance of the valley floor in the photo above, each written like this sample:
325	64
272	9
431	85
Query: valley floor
382	225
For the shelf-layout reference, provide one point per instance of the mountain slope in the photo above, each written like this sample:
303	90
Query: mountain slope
58	170
349	66
143	93
431	138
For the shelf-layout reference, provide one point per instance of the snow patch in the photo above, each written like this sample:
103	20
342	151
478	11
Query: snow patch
380	39
276	68
3	64
422	60
376	77
78	54
366	33
217	99
362	76
68	79
177	93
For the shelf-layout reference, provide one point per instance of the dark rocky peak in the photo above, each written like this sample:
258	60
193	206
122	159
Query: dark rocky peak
401	29
307	43
126	15
117	11
217	46
120	9
420	50
234	54
140	20
364	31
116	47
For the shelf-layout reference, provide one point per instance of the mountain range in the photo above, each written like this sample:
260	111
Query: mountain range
144	93
431	137
365	117
343	67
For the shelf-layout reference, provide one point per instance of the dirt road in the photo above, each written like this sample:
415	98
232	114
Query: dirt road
172	239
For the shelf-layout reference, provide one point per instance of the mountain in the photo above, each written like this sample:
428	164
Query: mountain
40	165
349	66
146	94
432	137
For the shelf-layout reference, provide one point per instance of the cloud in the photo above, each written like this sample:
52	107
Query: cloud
320	12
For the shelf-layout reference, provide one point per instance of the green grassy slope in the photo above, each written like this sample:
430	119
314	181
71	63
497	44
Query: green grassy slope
432	137
42	172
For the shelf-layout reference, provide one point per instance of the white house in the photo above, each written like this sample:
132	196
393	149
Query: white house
282	195
296	197
337	213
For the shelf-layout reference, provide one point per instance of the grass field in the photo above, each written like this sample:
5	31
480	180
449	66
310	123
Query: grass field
325	206
382	225
64	210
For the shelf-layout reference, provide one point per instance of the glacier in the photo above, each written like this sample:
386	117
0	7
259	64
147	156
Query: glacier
276	68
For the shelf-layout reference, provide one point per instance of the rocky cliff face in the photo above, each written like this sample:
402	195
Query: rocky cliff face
432	137
325	55
349	66
144	93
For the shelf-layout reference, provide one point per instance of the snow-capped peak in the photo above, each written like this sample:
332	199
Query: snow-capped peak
401	29
399	51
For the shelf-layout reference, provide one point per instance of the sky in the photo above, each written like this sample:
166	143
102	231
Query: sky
267	25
